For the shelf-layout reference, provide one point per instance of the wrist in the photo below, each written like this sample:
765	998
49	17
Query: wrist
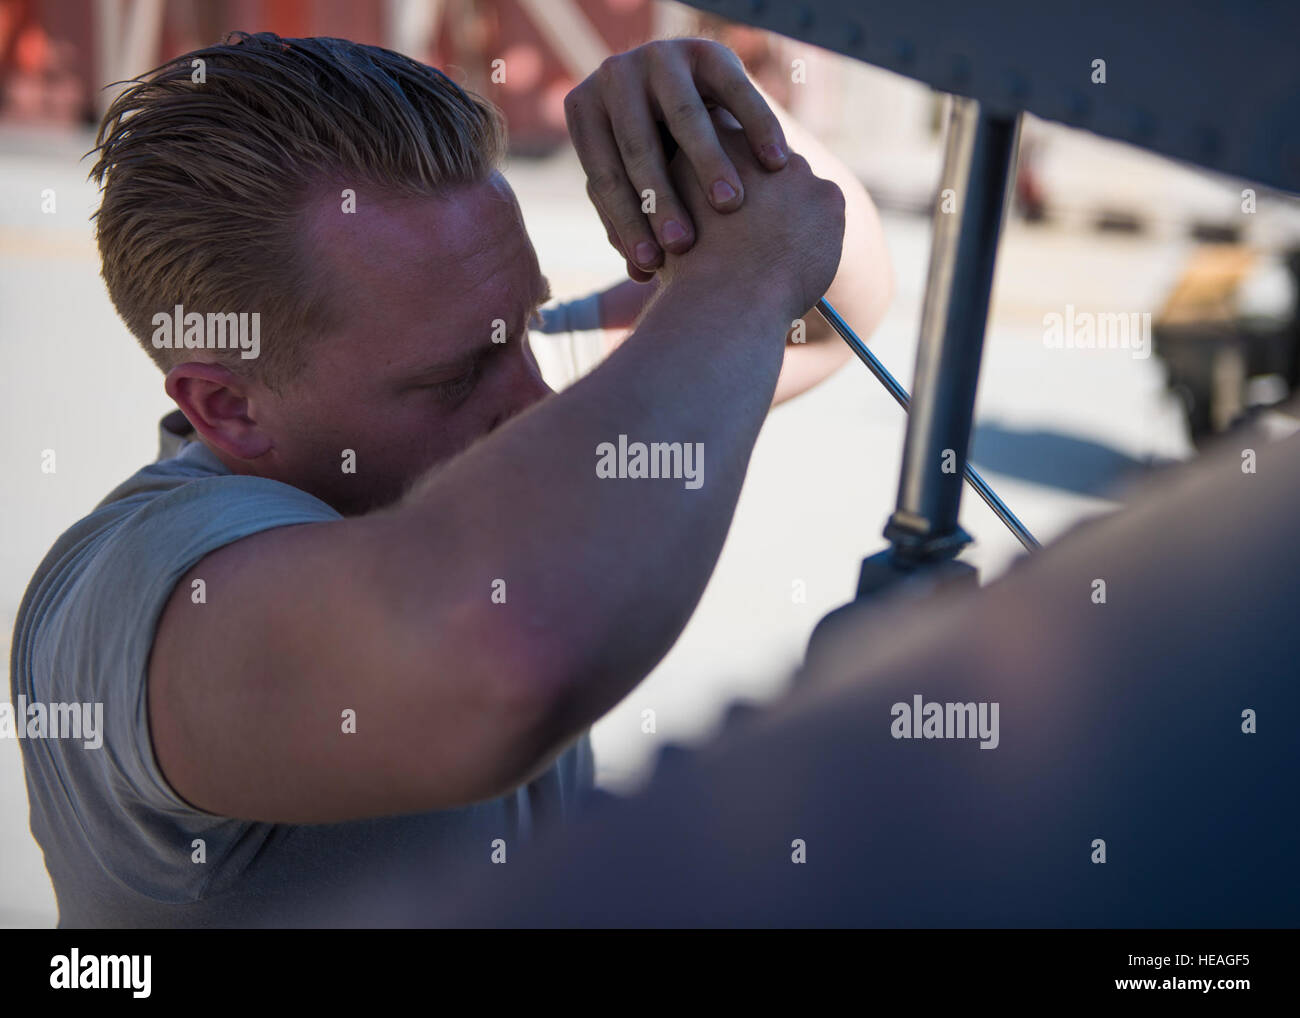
727	312
739	292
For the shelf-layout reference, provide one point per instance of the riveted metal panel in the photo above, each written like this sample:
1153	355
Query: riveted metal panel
1209	82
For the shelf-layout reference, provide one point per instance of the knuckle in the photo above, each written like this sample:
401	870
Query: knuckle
628	222
687	110
711	47
609	68
637	149
665	207
603	184
665	198
658	51
735	90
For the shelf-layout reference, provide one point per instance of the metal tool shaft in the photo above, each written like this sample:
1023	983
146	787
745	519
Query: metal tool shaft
827	311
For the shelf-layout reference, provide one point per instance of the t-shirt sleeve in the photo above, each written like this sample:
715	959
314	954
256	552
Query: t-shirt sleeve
92	646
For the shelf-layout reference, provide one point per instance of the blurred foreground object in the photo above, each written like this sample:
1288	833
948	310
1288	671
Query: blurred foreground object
1120	721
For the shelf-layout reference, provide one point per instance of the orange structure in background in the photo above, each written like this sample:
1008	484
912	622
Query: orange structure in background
525	55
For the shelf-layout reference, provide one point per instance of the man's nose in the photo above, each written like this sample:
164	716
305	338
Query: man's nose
521	388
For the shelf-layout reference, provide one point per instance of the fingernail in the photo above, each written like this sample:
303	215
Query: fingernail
722	192
673	232
773	153
646	253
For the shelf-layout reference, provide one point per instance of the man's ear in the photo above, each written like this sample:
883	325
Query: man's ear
216	402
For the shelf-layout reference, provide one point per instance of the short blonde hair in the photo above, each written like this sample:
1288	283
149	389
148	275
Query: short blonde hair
206	169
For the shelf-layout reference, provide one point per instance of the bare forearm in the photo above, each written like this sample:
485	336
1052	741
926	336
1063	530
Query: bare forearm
600	573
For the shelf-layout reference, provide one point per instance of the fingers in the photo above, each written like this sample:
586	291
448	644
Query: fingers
639	143
721	76
692	128
633	272
610	235
614	116
607	182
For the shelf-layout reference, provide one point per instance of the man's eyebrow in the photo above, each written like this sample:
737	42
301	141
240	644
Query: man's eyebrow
467	360
451	367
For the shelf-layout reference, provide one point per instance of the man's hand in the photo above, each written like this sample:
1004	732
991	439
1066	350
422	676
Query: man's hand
783	245
614	117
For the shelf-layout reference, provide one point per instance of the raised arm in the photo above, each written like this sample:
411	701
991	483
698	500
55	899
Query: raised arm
457	698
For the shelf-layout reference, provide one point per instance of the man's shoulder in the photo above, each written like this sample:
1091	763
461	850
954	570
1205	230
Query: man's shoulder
157	524
182	460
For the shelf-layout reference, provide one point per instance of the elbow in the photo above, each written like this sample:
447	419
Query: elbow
529	675
882	282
